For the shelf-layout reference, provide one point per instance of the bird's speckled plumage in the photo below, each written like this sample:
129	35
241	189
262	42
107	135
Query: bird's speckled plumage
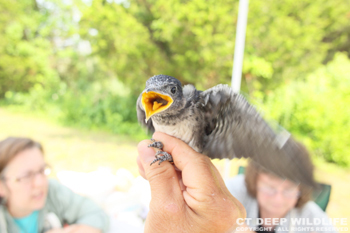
221	124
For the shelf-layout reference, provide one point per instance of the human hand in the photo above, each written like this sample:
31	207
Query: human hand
192	198
75	228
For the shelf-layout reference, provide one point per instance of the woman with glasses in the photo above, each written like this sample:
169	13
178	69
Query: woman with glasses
278	204
32	203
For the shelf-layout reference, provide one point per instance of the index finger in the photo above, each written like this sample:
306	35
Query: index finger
162	178
181	152
196	168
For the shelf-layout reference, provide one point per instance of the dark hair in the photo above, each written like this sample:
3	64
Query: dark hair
306	168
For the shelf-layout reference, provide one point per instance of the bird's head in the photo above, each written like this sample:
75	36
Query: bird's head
162	95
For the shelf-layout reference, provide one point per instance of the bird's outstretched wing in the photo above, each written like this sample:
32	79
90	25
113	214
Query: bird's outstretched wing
141	117
235	129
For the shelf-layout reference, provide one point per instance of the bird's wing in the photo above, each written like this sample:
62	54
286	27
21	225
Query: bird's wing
235	129
141	117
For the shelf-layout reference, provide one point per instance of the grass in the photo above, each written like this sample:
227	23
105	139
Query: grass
72	149
82	150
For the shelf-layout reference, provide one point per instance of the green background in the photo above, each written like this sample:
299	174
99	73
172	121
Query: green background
84	63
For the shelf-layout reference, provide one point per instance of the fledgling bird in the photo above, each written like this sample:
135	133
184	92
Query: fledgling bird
218	123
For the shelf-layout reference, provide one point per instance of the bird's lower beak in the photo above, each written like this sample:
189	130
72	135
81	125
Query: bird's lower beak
154	102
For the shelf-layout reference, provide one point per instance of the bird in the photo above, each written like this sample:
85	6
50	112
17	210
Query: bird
218	123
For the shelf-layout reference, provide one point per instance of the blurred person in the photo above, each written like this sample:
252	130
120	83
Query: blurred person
30	202
191	197
267	196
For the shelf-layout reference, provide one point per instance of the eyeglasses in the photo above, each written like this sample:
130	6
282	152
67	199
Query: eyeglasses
29	177
289	193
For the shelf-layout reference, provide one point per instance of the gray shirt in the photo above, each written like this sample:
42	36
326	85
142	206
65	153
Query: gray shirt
308	218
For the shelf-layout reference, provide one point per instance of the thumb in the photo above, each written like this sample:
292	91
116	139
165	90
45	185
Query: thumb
162	178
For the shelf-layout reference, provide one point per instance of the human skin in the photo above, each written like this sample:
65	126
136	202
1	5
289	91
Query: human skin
188	197
277	205
273	206
24	198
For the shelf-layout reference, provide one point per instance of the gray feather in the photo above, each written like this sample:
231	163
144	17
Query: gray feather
222	124
240	131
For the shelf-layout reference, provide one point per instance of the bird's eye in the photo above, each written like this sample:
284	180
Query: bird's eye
173	90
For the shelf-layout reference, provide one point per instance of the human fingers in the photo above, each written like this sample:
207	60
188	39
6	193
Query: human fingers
197	169
162	178
204	186
141	170
180	151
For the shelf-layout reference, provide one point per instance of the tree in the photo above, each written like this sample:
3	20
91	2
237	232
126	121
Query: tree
315	110
24	52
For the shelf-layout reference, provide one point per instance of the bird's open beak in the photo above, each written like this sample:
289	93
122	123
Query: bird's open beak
154	102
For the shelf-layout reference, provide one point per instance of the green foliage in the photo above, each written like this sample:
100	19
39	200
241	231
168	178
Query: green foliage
316	110
194	40
106	106
23	55
85	62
